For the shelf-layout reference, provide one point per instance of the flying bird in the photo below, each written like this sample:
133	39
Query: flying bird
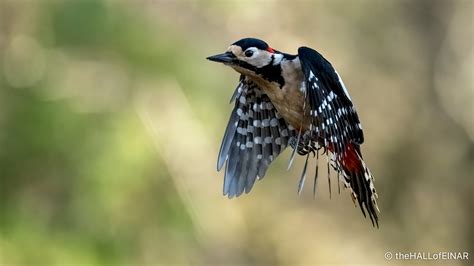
291	100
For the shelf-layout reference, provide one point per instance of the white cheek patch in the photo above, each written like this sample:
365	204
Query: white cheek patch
277	59
259	58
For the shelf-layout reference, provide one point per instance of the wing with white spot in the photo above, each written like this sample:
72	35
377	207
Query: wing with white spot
255	135
336	121
336	124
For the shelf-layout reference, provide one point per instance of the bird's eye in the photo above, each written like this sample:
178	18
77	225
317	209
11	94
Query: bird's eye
248	53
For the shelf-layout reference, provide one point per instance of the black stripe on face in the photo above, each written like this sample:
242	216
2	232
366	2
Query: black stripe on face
269	72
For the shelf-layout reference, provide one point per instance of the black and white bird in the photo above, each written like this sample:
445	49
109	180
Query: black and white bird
296	100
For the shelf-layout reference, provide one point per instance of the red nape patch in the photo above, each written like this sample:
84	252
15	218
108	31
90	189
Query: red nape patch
270	49
350	158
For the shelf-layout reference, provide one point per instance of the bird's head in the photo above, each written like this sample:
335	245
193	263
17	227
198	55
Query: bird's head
247	56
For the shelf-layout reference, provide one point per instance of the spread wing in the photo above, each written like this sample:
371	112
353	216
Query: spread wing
337	126
255	135
337	121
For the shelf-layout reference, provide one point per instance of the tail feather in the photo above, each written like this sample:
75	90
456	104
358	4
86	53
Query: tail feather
358	177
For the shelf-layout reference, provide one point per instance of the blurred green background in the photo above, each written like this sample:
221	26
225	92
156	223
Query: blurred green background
111	120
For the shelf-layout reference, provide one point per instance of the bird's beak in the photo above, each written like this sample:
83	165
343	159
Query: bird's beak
227	57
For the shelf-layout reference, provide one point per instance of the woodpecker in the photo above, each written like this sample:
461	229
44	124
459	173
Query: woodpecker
291	100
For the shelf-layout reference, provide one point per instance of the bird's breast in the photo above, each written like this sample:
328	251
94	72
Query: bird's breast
290	101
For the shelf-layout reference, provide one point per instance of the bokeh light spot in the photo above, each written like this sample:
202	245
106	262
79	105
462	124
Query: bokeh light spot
24	62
